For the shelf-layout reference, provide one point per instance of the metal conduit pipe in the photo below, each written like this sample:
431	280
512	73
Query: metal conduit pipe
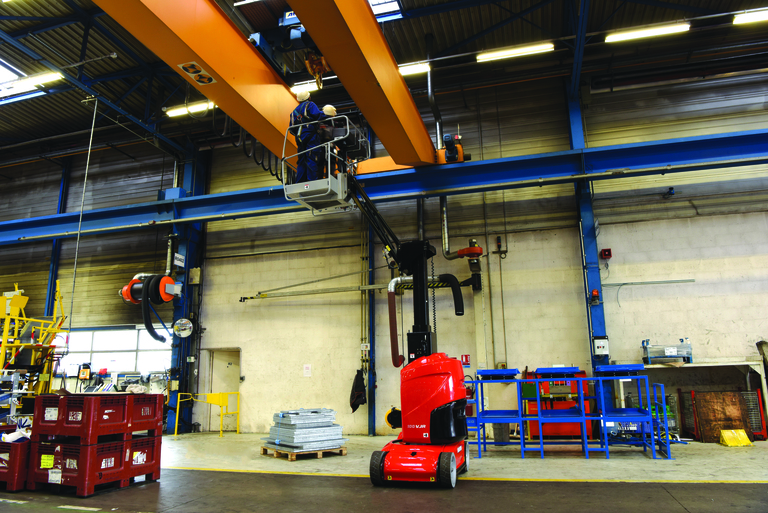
430	39
397	358
444	222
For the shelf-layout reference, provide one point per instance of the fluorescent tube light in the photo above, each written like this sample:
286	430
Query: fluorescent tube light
243	2
39	79
515	52
306	86
20	97
27	84
413	69
384	7
195	107
649	32
750	17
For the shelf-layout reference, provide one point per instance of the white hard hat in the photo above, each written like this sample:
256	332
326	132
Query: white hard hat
329	110
302	96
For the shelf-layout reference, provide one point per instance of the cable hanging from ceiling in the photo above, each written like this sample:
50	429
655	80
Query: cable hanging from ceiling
239	137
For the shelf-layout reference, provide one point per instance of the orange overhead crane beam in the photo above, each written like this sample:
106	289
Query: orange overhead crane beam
197	40
348	35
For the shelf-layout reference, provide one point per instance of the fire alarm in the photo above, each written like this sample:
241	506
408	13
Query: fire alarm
605	254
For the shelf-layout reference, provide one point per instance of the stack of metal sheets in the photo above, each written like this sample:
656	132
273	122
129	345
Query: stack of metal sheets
305	430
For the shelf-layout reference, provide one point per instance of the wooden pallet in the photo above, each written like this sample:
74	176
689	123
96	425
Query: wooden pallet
342	451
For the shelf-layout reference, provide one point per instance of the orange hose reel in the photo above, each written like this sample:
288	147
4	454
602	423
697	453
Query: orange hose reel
131	293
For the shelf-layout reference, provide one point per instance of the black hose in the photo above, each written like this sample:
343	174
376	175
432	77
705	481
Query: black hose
239	139
145	312
268	159
458	299
252	153
154	290
257	161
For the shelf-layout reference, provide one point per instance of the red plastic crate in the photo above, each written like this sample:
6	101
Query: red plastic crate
13	462
86	466
89	416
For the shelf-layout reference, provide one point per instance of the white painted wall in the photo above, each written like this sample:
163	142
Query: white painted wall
723	312
542	321
277	337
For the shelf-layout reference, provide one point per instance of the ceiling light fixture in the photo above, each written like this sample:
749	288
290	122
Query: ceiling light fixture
27	84
304	86
413	68
195	107
515	52
648	32
751	17
243	2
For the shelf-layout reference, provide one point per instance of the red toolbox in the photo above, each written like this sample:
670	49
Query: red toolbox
89	416
13	462
86	466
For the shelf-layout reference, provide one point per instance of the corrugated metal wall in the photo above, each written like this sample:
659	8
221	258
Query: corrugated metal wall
677	110
27	265
231	170
105	263
124	176
674	111
699	193
501	121
31	191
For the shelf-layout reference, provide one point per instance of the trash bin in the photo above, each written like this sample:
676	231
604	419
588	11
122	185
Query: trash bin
501	432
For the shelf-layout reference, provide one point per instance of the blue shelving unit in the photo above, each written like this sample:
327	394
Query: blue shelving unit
653	427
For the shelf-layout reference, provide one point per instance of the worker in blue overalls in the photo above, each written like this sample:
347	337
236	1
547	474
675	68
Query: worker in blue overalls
311	164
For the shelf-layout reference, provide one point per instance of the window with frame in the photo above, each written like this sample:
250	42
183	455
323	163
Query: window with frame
120	351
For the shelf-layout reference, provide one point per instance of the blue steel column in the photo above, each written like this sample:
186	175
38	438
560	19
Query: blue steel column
596	313
53	271
188	245
591	267
371	337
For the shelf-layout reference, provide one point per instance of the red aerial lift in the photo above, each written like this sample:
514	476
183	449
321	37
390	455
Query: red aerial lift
431	446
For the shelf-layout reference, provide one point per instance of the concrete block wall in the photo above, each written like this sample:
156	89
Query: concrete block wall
722	312
455	334
532	311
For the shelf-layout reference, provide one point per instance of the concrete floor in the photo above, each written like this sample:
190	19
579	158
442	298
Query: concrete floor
204	473
695	462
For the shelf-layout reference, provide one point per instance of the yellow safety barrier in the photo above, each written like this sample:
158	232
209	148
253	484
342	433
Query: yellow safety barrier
220	399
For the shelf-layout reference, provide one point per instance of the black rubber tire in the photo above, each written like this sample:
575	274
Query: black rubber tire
446	470
377	468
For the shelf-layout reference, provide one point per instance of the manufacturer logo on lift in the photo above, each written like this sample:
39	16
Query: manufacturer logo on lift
417	426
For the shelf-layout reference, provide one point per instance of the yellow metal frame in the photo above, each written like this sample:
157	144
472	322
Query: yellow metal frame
14	323
220	399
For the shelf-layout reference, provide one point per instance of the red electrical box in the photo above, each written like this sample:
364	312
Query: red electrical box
605	254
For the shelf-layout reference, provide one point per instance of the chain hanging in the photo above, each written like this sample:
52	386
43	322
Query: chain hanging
434	306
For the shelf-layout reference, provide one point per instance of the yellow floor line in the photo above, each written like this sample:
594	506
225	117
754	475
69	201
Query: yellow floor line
265	472
530	480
